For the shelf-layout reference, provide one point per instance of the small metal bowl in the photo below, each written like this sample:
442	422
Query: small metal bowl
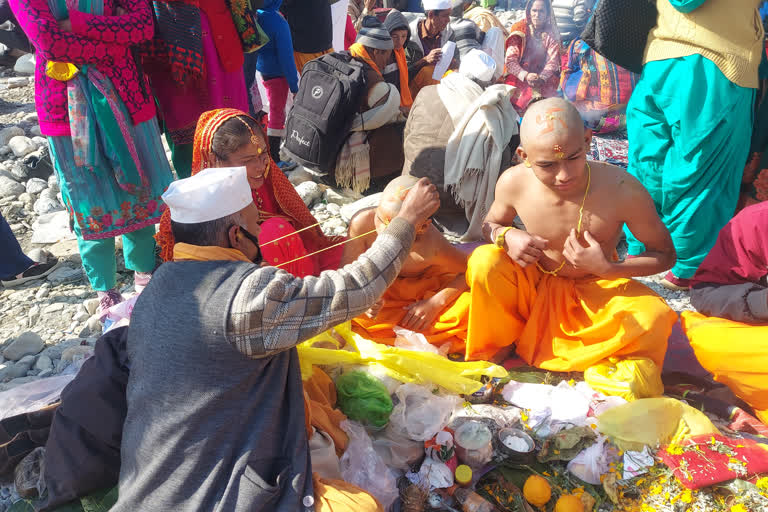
512	455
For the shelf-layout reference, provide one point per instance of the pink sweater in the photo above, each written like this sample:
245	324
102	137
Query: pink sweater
104	42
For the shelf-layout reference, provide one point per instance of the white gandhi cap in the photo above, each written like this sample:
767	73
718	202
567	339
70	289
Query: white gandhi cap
437	5
208	195
478	64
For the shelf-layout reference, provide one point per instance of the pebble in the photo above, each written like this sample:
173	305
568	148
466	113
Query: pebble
75	352
53	308
27	343
309	191
21	145
43	291
19	171
44	363
6	134
16	370
53	183
91	305
36	185
81	317
10	187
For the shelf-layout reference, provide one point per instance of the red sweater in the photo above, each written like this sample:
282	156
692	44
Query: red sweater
104	42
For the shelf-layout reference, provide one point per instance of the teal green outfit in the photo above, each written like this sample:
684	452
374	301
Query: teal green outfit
689	129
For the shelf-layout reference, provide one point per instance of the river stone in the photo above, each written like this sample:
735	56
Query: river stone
36	185
22	146
27	343
6	134
10	187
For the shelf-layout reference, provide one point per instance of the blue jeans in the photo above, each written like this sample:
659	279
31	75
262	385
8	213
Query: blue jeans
13	261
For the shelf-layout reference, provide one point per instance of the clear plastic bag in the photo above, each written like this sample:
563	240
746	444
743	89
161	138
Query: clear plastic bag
420	415
410	340
593	462
397	452
33	395
363	467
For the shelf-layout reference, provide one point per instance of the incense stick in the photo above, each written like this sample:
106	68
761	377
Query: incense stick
326	248
289	234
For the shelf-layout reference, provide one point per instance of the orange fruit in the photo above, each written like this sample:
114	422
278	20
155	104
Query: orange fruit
537	491
569	503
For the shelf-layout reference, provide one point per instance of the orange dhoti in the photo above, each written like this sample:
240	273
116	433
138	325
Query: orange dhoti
449	326
561	324
736	354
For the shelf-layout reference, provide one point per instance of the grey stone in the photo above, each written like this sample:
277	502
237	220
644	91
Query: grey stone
27	199
40	142
27	343
43	363
341	197
36	185
19	171
10	188
30	118
309	191
53	308
334	209
47	205
39	255
15	370
81	317
21	145
65	274
91	305
33	313
43	292
299	176
25	65
5	150
79	351
53	183
6	134
35	131
45	373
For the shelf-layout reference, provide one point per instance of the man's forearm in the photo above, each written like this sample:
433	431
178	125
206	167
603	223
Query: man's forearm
274	311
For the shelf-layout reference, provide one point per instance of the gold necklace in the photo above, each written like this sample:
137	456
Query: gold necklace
578	226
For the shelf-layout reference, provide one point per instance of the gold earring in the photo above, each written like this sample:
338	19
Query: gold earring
527	163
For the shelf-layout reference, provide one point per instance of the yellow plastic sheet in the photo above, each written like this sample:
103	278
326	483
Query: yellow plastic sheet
652	422
631	379
61	71
403	365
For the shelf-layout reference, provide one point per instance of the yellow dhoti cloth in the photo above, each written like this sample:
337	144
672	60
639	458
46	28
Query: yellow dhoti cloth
450	325
561	324
301	59
735	353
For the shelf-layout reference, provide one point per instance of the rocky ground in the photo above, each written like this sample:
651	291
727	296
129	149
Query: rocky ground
47	327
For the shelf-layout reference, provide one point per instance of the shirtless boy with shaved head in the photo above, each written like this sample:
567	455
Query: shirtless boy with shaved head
429	296
555	289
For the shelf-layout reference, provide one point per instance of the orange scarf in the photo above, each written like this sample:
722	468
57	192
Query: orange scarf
287	198
190	252
359	51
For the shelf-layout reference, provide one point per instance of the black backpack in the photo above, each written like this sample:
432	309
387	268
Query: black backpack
330	91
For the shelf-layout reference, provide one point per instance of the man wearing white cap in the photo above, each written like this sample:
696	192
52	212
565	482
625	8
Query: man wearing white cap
435	116
215	399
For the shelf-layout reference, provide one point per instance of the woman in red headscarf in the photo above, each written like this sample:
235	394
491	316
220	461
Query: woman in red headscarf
232	138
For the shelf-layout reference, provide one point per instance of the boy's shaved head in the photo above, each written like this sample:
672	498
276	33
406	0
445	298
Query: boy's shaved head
549	122
393	196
